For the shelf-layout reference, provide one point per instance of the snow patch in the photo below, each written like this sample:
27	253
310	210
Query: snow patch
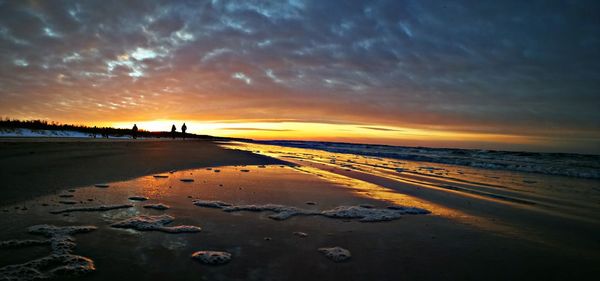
21	132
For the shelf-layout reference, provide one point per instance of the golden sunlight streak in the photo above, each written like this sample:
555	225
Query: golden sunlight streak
323	132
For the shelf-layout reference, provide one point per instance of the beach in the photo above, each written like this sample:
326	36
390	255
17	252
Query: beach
276	210
31	167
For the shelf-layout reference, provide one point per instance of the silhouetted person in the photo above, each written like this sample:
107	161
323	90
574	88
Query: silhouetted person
94	131
183	128
134	131
173	131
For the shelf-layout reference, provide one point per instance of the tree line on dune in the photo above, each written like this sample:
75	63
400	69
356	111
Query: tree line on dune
8	123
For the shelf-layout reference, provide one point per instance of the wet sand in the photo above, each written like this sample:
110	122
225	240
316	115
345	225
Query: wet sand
464	237
31	167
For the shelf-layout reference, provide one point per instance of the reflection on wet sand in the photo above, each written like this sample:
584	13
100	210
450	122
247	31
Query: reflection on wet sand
134	205
256	215
518	204
576	198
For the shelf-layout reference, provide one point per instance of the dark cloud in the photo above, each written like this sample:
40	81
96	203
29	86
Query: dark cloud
256	129
516	67
381	129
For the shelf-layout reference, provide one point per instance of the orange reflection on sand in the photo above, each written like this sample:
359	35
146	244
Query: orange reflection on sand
151	188
377	192
358	187
320	163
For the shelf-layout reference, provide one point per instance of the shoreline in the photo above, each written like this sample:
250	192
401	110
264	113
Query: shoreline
32	167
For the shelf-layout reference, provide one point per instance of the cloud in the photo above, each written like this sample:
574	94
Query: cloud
381	129
256	129
511	67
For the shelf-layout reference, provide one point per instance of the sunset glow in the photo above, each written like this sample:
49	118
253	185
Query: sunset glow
408	73
327	132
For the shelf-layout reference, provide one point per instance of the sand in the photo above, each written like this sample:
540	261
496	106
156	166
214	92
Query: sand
34	167
306	222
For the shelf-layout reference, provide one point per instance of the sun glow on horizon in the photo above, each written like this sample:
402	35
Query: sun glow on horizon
363	133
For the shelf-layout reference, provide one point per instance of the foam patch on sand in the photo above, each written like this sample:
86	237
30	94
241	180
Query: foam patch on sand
211	204
336	254
157	223
301	234
281	212
101	208
60	262
366	213
212	257
371	214
158	206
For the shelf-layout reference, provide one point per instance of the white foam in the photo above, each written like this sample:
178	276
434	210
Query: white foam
101	208
301	234
281	212
336	254
211	204
158	206
364	213
158	223
60	262
212	257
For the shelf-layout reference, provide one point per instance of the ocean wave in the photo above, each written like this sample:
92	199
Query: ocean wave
560	164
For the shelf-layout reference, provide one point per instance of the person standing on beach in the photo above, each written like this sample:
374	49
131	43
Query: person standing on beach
183	128
134	131
173	130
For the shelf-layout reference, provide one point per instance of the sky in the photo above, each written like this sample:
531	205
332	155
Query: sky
515	75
